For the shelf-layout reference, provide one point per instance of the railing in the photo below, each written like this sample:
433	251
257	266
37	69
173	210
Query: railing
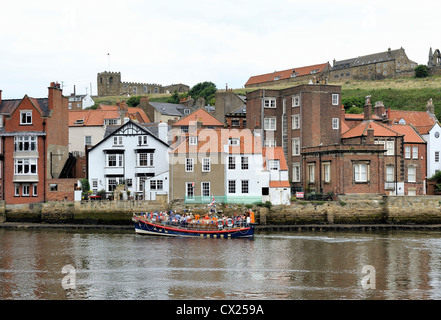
223	199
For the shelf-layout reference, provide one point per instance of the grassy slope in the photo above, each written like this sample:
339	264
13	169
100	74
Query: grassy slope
403	93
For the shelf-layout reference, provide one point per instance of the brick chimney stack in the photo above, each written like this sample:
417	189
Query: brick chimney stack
430	107
379	109
368	109
55	94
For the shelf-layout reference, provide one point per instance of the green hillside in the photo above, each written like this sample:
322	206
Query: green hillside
402	93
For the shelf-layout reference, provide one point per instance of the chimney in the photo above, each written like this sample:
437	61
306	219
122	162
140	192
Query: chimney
370	135
342	114
430	107
162	131
389	53
0	97
55	95
379	109
368	109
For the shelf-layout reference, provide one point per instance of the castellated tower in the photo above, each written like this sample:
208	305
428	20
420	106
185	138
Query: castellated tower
109	83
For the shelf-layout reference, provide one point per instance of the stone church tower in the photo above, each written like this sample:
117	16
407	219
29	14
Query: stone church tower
109	83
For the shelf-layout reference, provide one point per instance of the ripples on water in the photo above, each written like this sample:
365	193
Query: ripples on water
306	265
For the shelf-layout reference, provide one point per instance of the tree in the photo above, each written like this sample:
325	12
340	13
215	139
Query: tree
174	98
133	101
205	89
421	71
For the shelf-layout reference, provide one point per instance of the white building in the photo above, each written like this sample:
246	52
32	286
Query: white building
133	155
279	186
433	139
246	179
80	101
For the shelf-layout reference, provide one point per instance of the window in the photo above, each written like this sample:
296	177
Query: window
87	140
205	164
145	159
156	184
414	152
117	141
25	166
360	172
270	143
193	141
141	183
407	152
189	165
34	190
184	129
235	123
26	190
326	172
142	140
25	143
53	187
231	186
16	190
296	121
274	165
205	189
390	173
311	172
110	122
231	163
129	182
233	141
112	183
335	99
270	124
115	160
26	117
296	172
187	111
411	174
244	163
269	103
296	101
295	146
436	156
390	148
189	189
334	123
245	186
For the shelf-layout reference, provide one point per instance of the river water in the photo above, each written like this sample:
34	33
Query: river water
71	264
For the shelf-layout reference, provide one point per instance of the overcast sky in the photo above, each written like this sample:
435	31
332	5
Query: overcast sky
191	41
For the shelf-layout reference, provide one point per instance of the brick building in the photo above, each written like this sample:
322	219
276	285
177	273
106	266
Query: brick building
372	157
295	118
34	145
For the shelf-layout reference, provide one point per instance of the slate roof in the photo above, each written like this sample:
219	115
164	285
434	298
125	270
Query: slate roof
41	104
169	109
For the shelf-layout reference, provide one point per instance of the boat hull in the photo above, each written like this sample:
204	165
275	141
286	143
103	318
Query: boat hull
148	228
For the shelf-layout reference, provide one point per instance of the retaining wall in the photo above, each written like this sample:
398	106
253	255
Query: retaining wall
349	209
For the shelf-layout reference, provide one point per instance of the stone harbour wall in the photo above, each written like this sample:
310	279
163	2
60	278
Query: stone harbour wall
348	209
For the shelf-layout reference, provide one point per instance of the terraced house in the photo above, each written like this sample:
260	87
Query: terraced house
34	146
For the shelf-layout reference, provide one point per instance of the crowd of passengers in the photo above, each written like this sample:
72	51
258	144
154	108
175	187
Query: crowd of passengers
173	218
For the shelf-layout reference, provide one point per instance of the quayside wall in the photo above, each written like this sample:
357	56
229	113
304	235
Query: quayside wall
348	209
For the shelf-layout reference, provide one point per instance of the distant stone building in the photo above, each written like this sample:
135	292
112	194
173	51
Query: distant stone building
110	84
376	66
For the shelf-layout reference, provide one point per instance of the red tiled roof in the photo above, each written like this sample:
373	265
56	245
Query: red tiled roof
275	153
361	130
91	117
410	134
279	184
286	74
421	120
199	115
215	140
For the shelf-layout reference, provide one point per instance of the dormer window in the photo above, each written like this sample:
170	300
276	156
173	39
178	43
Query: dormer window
26	117
80	121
